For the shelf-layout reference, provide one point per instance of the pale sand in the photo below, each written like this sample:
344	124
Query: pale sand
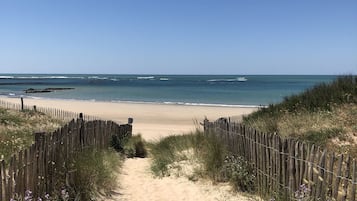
151	120
137	184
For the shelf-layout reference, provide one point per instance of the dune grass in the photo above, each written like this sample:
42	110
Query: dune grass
17	129
325	115
95	173
198	156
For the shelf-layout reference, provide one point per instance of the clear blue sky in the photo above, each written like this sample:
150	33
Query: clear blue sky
178	36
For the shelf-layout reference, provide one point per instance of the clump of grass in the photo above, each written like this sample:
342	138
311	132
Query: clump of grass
213	154
320	137
170	149
210	154
94	172
163	153
135	147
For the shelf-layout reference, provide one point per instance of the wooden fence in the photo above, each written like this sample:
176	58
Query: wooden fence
39	167
288	169
57	113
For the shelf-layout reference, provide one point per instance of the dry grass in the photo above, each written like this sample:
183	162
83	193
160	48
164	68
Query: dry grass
17	128
335	129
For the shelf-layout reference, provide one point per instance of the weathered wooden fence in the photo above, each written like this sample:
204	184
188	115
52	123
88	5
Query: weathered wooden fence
39	167
287	168
57	113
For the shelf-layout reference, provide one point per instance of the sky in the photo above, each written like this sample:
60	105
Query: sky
178	36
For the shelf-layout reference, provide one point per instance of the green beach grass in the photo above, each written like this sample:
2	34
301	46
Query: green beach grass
198	156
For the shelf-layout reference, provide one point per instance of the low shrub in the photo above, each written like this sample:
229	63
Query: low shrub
239	173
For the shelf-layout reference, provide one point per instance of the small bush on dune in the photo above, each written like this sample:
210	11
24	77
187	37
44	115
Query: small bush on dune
239	173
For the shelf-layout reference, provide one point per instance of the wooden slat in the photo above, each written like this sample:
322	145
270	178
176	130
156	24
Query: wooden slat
320	192
338	179
3	181
20	176
346	178
354	181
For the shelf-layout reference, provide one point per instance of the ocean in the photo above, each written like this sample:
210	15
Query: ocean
217	90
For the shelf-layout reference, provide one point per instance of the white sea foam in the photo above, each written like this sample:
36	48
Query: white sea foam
6	77
97	78
46	77
145	78
238	79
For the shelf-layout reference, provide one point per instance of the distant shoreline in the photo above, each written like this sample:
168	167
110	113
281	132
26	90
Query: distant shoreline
138	102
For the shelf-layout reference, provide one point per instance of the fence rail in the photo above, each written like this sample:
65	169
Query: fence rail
57	113
287	168
39	167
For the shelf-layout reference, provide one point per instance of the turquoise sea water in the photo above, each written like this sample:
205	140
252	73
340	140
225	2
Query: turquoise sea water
167	89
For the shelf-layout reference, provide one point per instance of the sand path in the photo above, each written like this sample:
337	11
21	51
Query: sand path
137	184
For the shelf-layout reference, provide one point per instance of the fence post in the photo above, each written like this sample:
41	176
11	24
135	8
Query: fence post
22	103
34	108
39	184
130	121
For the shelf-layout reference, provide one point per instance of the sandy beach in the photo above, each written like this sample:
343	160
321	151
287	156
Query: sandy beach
152	121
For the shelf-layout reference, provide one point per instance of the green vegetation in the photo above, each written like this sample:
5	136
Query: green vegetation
93	176
17	128
135	147
324	115
198	156
130	147
94	173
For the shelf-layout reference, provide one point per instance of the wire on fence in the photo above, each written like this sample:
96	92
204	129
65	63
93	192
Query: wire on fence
286	164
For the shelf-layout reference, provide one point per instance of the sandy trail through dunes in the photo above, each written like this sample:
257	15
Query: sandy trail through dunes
137	184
